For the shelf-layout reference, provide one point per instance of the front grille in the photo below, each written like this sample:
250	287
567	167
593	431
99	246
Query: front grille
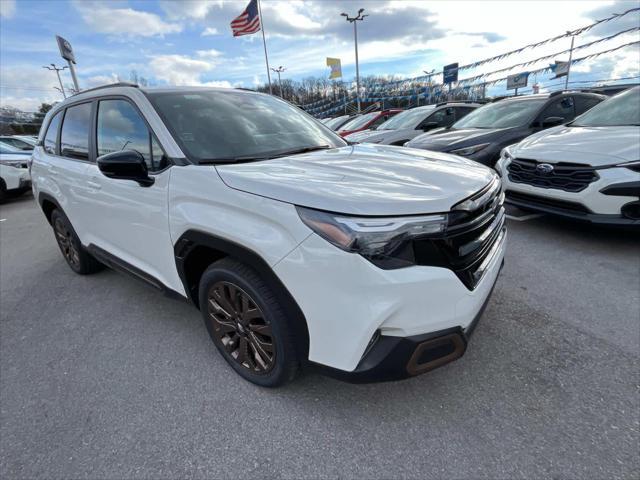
468	242
570	177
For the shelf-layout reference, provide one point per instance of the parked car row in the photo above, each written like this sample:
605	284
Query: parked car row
562	153
300	247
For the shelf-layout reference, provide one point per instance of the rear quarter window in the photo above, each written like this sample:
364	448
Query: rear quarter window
51	137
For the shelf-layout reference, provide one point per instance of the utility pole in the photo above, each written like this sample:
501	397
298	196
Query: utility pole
566	82
279	70
429	75
354	20
57	70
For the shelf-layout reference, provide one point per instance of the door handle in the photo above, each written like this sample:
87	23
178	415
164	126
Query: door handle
94	185
52	170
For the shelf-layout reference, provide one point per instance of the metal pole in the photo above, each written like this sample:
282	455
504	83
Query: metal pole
72	69
60	82
566	82
355	34
57	70
264	42
280	83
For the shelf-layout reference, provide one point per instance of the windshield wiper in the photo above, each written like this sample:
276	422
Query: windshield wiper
265	156
296	151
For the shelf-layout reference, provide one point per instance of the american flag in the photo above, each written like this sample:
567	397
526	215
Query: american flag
248	21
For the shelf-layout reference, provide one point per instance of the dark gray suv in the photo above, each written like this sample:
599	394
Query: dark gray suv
483	133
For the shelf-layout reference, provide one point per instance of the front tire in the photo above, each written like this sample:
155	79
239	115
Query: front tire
247	324
72	250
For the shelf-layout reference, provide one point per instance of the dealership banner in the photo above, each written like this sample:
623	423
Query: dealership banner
518	80
450	73
336	67
561	69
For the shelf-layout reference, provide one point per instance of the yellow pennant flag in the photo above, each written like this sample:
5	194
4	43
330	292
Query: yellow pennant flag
336	67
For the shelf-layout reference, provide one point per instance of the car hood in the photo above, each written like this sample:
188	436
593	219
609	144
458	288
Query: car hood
362	135
454	138
589	145
4	157
384	136
363	179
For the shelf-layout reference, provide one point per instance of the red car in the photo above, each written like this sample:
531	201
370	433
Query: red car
368	121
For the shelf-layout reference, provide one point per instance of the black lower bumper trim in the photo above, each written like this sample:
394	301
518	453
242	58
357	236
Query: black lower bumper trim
396	358
531	203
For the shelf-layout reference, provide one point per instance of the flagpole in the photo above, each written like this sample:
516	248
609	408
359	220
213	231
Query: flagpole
264	42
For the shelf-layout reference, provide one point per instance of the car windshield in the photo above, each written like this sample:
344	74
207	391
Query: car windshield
360	121
334	122
215	126
503	114
4	148
618	111
409	119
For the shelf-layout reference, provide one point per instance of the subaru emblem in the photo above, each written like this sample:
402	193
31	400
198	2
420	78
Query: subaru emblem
544	168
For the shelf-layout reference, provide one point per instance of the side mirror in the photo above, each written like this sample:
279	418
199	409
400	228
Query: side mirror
429	126
125	165
552	122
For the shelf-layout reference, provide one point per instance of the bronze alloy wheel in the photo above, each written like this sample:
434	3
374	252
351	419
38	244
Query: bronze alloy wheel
241	328
65	240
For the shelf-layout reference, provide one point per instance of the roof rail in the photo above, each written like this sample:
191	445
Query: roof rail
109	85
457	101
560	92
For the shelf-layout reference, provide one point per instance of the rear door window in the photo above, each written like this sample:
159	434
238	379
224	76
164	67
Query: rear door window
443	117
585	103
562	107
74	139
462	112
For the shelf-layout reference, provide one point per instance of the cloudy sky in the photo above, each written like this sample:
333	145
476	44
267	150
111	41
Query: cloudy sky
190	43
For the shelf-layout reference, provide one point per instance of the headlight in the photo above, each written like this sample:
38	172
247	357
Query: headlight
16	163
505	156
466	151
371	237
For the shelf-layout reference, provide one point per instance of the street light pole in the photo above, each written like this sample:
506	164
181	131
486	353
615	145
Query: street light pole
354	20
566	81
279	70
57	70
429	75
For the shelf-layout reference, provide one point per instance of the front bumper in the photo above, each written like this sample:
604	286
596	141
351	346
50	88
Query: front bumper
395	358
347	301
593	204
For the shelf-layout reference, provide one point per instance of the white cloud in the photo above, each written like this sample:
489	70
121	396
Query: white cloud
7	8
184	70
209	54
98	80
209	31
189	9
124	21
26	87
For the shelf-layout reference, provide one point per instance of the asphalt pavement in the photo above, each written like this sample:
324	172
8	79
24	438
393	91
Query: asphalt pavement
102	377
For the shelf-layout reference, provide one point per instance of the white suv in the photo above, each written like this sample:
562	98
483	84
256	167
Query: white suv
587	170
372	262
14	171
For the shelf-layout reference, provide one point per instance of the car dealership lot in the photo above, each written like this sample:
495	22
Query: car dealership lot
103	377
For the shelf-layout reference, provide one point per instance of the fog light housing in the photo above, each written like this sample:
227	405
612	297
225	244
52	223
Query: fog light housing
631	210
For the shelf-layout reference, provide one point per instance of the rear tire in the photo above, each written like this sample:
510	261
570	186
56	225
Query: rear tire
72	250
247	324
